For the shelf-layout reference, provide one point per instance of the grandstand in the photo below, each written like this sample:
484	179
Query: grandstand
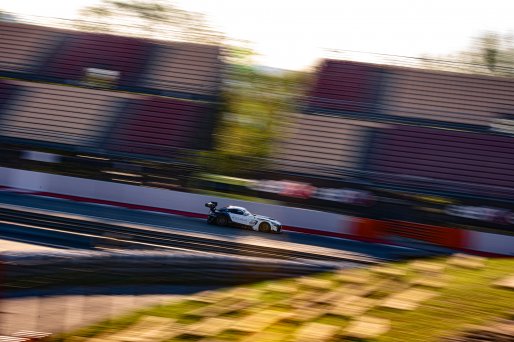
406	127
416	96
443	98
159	126
79	51
165	68
184	67
480	163
58	114
23	48
161	97
346	87
323	145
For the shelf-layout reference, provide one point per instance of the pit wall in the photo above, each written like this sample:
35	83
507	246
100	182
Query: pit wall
293	219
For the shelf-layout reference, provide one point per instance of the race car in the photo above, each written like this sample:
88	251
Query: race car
242	218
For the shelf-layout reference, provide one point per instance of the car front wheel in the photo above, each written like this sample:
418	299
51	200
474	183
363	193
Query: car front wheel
264	227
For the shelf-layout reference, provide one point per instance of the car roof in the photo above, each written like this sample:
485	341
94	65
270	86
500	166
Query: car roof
235	207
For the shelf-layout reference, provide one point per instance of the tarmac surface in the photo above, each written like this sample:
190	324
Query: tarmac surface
199	226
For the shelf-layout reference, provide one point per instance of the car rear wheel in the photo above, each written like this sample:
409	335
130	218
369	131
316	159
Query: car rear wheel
221	220
264	227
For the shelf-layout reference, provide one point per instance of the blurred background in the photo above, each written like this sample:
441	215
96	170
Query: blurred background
395	112
403	115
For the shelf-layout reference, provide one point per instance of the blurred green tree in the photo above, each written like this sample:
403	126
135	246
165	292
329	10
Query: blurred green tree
255	104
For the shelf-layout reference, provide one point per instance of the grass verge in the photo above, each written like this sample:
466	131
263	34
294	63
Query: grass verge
468	298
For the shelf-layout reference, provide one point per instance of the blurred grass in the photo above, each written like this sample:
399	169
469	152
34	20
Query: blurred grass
468	298
234	196
225	179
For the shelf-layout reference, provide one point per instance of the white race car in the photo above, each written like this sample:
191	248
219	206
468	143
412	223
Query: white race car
240	217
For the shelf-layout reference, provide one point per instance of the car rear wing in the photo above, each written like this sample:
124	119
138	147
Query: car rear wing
211	205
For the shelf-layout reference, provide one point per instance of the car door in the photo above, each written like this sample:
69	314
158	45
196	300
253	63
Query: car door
249	219
237	216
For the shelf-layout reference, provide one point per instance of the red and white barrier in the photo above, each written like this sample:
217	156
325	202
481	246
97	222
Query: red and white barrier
295	219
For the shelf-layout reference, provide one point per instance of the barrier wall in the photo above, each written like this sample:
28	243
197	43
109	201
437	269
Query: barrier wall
294	219
500	244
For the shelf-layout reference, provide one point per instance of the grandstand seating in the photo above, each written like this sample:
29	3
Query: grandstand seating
424	139
321	145
68	114
447	97
184	67
158	126
460	159
92	118
59	114
23	48
416	96
158	67
82	50
347	87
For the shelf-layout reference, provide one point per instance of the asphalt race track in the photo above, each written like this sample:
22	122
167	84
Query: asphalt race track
193	225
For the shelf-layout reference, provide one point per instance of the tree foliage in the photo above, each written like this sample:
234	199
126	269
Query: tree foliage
148	18
255	106
490	54
7	17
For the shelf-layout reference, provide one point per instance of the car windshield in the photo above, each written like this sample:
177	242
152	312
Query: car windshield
236	210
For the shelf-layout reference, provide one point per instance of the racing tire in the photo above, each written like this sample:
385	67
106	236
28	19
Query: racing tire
221	220
265	227
210	220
